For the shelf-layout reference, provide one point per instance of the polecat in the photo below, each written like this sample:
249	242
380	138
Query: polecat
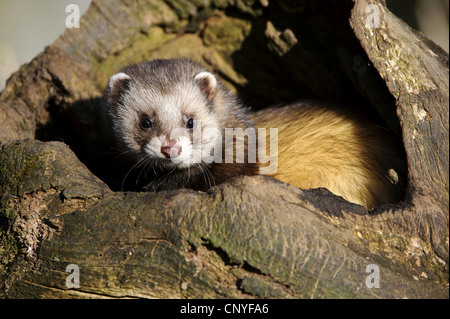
159	109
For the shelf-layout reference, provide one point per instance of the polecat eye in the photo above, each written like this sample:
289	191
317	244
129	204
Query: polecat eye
146	124
190	123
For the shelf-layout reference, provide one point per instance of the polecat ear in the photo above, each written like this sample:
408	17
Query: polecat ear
116	78
117	85
208	84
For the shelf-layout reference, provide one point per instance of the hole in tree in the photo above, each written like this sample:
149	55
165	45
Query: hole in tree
272	80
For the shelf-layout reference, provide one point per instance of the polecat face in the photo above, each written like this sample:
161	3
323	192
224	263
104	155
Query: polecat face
160	107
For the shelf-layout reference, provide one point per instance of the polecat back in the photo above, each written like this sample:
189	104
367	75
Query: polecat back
328	146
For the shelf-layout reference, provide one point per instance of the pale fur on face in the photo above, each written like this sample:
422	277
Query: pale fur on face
169	113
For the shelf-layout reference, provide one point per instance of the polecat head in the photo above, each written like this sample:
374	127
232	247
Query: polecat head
156	107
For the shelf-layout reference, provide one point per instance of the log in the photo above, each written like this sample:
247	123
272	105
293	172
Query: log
250	237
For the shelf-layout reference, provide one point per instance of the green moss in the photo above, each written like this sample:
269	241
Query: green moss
183	8
10	243
221	37
397	62
9	248
142	49
6	213
222	3
226	34
15	170
189	46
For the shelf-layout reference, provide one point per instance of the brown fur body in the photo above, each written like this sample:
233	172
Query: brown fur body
323	146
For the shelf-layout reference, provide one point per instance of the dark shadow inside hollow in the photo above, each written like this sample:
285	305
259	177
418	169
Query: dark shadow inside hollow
327	63
80	126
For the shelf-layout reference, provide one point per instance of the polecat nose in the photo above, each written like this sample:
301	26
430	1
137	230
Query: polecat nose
171	150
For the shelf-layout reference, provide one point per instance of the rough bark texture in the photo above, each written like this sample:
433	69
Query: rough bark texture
252	236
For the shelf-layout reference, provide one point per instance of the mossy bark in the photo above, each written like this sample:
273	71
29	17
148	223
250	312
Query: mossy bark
249	237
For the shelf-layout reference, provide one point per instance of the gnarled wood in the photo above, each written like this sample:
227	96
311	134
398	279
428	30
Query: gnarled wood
251	236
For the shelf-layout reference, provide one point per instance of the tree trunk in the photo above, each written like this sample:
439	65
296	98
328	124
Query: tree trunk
251	236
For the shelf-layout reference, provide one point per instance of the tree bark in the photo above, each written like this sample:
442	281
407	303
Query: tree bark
251	236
